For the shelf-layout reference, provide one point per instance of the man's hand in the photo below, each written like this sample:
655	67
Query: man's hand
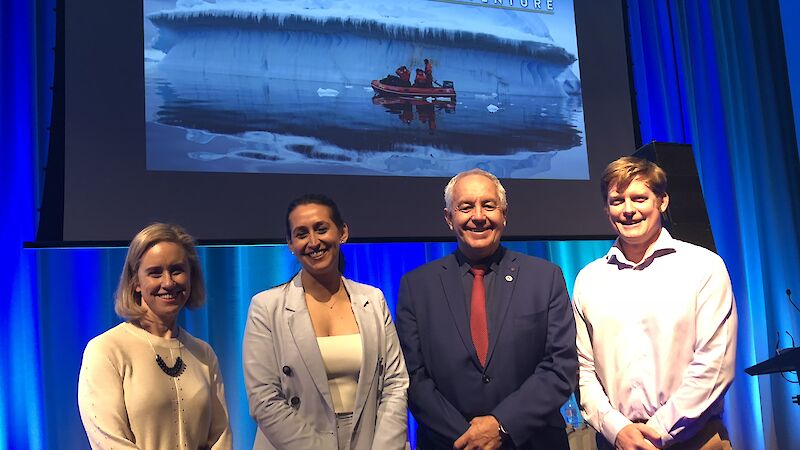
637	436
483	434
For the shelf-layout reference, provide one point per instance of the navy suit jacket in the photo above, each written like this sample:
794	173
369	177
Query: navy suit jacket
531	365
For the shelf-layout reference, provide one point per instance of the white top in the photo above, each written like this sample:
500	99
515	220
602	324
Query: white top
656	340
127	402
341	356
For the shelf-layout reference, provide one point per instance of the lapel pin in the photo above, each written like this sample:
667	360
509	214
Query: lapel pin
509	278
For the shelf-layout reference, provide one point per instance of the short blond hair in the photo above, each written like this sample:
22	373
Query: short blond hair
128	302
624	170
451	185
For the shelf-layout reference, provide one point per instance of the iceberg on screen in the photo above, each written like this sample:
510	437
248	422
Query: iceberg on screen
301	71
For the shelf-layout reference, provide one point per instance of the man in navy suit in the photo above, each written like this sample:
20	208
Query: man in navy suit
487	333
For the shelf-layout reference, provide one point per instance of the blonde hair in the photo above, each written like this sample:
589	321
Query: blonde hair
128	302
448	190
624	170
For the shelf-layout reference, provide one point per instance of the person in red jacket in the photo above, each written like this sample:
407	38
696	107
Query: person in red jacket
429	72
405	76
420	80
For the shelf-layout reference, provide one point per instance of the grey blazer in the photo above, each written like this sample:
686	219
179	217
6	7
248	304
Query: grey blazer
287	386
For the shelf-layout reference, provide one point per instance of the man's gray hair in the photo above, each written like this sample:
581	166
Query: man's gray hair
448	190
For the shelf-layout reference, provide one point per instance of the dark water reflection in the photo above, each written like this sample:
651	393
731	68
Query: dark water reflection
350	119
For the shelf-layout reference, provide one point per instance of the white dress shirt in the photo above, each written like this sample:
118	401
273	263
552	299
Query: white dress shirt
656	340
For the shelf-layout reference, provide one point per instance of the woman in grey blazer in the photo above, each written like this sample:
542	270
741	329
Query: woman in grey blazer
322	362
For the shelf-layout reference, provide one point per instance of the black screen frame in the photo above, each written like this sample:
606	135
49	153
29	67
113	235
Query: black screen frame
108	195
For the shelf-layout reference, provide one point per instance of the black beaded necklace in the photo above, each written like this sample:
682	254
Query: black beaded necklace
177	369
174	371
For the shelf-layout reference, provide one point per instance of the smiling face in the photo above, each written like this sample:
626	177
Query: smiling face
476	216
164	281
635	214
314	239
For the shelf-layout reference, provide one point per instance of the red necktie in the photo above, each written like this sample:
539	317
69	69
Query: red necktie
477	315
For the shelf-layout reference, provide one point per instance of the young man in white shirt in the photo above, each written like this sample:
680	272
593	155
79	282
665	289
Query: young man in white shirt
656	325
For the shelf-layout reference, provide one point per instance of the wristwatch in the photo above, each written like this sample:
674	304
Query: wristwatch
503	432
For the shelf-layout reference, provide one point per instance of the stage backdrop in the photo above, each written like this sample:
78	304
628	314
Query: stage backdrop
708	73
76	288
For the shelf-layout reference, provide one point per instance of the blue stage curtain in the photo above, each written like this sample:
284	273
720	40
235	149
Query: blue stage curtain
790	11
714	74
21	399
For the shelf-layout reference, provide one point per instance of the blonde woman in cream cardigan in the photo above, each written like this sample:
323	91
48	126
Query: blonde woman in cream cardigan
147	383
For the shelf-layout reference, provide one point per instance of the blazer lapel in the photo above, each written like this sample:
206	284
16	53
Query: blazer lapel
506	279
305	339
454	293
368	329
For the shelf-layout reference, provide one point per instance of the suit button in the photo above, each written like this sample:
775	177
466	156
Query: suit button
295	401
287	371
486	379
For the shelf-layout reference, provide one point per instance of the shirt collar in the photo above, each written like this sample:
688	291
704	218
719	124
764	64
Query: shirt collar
491	263
664	245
